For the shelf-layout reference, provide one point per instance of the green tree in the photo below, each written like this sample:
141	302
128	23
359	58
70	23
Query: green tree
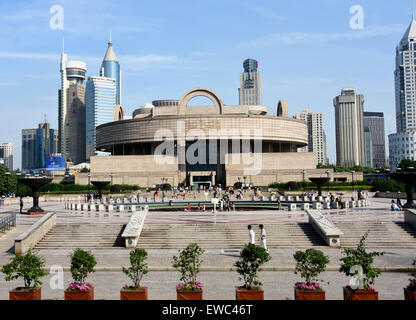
82	263
406	163
29	267
361	258
188	262
310	264
248	266
8	182
138	267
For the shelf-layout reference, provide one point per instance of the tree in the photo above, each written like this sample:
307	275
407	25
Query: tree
8	183
310	264
138	267
406	163
188	263
252	257
82	263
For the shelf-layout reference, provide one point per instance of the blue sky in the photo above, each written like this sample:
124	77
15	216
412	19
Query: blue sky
306	50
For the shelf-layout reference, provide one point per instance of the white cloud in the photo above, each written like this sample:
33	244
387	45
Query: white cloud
293	38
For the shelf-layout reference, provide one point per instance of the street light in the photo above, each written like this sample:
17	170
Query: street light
89	182
303	180
352	173
111	177
327	175
7	173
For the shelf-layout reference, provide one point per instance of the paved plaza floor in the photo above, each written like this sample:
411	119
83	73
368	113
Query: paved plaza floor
217	273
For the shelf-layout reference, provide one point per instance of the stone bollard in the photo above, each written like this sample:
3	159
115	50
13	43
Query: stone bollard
320	199
305	199
352	204
282	198
346	204
305	206
100	207
120	208
317	206
81	207
297	198
132	208
289	198
110	208
293	207
327	205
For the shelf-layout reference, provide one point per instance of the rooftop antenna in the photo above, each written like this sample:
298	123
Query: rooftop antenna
63	45
110	37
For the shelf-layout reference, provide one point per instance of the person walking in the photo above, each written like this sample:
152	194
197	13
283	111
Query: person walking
263	237
251	236
21	205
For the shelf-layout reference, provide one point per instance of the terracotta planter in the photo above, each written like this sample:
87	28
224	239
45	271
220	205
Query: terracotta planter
309	295
133	294
409	295
241	294
359	294
189	295
79	295
25	294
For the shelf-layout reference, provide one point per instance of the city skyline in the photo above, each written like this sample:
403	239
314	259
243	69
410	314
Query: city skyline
162	56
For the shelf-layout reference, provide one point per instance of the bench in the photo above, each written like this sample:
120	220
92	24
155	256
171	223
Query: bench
134	227
325	228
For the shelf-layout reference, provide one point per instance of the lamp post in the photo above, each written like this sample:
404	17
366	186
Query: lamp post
89	183
7	173
377	172
303	180
352	182
111	177
327	175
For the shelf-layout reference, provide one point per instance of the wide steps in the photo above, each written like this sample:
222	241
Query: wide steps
85	236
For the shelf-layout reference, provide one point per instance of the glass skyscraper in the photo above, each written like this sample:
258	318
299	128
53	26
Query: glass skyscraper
250	84
110	68
100	99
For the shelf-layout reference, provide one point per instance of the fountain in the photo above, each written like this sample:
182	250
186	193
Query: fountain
319	182
35	183
100	185
409	179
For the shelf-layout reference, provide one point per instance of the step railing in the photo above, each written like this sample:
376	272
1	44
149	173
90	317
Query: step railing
7	222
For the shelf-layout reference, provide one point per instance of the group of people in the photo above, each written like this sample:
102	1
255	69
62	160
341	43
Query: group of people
252	236
396	206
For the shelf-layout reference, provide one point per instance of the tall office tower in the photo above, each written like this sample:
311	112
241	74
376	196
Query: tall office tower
71	113
100	100
349	127
368	148
37	145
316	134
110	68
405	86
6	154
250	84
374	121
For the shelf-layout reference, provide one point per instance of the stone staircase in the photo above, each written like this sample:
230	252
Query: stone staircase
84	236
226	236
382	234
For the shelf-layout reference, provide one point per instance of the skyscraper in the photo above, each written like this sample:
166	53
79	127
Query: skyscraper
6	154
100	102
71	113
316	134
374	121
110	68
401	144
37	145
349	127
250	84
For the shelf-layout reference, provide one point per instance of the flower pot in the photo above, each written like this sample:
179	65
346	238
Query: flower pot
189	295
409	295
79	295
241	294
359	294
133	294
309	294
25	294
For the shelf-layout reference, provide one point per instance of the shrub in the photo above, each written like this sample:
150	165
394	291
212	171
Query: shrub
188	263
310	264
359	262
138	267
292	185
412	284
252	257
29	267
116	188
238	185
82	263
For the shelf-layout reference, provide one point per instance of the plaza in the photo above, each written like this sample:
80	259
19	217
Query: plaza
387	233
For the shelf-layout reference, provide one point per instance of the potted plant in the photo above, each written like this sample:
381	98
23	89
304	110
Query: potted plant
136	271
310	264
252	257
82	263
410	291
358	263
29	267
188	262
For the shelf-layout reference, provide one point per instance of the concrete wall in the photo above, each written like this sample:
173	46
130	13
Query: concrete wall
34	234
